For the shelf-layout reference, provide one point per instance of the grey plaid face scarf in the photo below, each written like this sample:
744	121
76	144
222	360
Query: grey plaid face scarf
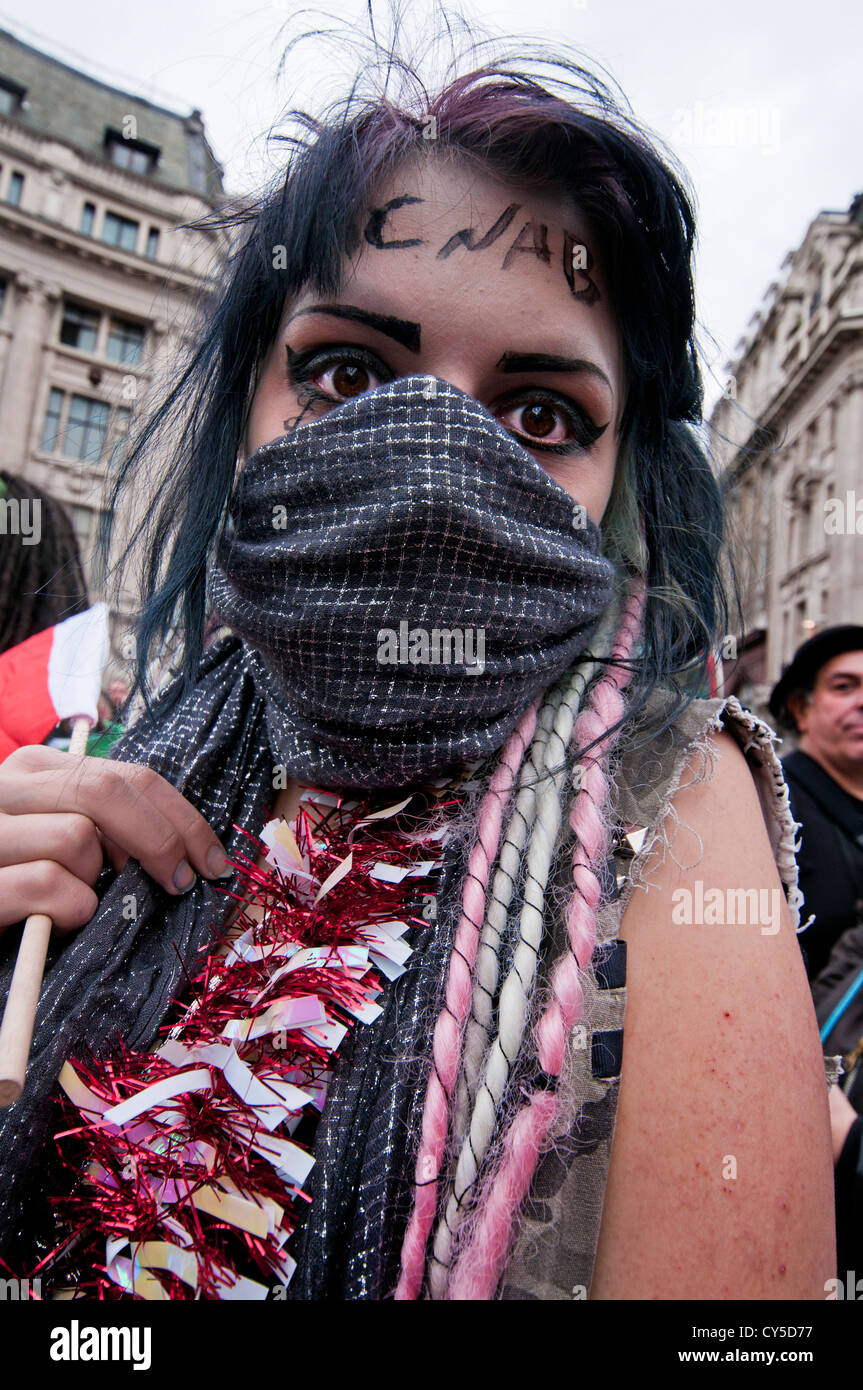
407	579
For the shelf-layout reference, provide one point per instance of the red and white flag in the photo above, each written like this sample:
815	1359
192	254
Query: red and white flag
54	675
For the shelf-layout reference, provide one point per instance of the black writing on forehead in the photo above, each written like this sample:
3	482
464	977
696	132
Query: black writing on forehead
374	232
532	240
577	261
467	237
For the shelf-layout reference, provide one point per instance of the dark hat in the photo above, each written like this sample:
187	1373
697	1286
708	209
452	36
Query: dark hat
807	661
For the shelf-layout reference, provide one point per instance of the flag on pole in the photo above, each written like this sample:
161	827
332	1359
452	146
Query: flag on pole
53	675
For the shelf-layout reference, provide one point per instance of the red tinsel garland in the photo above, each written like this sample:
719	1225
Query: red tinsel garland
191	1178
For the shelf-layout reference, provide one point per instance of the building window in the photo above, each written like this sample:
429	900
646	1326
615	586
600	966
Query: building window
832	411
79	327
125	342
88	217
120	231
806	526
793	528
104	528
78	427
86	428
51	428
16	185
2	293
153	243
137	156
82	524
786	627
12	95
119	435
89	526
764	529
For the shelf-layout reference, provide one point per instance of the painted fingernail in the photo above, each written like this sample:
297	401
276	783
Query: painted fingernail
217	863
184	877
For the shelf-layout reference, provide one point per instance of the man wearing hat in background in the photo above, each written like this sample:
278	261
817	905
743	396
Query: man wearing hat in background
820	694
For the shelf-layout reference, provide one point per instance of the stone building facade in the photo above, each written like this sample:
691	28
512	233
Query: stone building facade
788	433
98	280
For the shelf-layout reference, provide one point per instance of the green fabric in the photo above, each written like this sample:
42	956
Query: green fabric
101	741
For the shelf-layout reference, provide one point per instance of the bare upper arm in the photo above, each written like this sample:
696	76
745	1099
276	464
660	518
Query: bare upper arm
720	1182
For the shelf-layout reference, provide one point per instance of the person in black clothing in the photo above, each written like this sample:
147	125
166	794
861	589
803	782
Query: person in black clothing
820	695
847	1129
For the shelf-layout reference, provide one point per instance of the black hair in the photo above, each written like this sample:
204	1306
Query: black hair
40	583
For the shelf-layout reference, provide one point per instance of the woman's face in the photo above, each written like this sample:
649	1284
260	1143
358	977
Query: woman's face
495	290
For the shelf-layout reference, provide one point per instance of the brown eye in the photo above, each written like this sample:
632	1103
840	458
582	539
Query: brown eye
538	420
548	421
350	379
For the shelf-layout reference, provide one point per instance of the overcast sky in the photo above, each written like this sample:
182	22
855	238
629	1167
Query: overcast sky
760	99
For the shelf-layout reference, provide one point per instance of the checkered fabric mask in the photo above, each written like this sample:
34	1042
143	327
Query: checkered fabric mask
407	579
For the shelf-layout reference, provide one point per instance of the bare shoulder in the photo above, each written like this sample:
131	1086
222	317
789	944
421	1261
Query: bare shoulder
720	1184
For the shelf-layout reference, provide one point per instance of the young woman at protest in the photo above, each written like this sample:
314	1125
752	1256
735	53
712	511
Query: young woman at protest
449	386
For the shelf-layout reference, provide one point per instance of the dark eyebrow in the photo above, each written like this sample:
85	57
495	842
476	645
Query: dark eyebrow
543	362
401	330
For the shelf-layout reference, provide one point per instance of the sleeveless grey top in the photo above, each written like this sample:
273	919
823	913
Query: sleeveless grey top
555	1248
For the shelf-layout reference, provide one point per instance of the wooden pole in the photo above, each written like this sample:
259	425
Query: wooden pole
19	1017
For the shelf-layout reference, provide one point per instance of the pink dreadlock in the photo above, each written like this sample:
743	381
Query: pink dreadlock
477	1269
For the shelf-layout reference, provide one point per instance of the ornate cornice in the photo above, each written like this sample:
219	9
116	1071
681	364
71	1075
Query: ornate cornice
769	427
75	244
